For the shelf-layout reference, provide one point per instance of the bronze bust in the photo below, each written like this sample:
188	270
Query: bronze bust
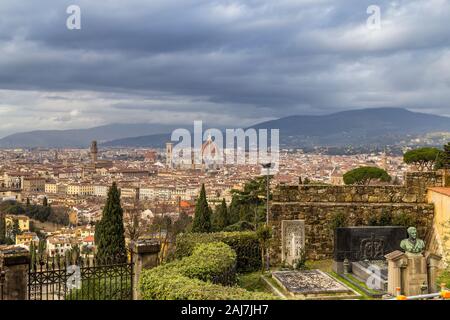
412	244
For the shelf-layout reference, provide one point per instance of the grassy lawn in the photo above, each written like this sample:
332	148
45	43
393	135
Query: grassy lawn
324	265
362	284
444	277
252	282
350	285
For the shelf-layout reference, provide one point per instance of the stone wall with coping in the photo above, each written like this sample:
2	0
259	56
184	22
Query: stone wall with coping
359	205
413	191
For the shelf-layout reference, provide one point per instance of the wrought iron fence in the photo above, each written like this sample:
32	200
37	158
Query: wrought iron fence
83	279
2	284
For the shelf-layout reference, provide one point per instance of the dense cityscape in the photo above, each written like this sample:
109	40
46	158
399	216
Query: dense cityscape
238	158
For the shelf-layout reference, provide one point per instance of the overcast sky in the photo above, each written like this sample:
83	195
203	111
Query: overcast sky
232	63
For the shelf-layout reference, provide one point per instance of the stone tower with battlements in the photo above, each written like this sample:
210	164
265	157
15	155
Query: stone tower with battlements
94	152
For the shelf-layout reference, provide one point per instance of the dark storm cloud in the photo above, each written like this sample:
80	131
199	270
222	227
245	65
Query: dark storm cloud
233	62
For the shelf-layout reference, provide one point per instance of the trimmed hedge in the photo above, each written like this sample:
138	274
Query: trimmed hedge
114	288
183	279
163	286
245	244
214	262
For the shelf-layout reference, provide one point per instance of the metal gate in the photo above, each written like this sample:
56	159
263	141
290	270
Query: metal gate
86	279
2	284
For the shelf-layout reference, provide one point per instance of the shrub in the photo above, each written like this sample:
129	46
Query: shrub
404	220
300	263
193	277
166	286
214	262
372	220
245	244
385	218
338	220
444	277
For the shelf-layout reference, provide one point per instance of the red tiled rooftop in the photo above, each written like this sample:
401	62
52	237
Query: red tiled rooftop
442	190
89	239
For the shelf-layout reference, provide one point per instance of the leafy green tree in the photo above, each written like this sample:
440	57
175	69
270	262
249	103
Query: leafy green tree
202	217
422	158
239	226
364	175
110	231
249	204
45	202
182	224
220	217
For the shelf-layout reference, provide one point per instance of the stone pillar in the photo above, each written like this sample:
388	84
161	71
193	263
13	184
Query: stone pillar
415	279
145	256
433	261
14	262
396	262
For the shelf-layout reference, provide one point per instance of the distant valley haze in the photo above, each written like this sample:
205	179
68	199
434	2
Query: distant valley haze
377	126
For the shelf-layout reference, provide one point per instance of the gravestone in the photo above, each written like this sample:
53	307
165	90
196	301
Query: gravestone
292	240
311	283
365	243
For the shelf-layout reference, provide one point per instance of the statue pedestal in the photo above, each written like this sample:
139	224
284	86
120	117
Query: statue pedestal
413	273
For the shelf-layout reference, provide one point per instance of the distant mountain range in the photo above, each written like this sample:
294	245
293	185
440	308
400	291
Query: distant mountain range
80	138
377	127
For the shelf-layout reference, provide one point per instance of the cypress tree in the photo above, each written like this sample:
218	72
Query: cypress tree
110	232
202	217
45	202
446	156
15	230
220	217
41	250
443	159
2	229
32	255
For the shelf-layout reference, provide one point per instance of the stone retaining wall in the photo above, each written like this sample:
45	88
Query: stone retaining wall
321	206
